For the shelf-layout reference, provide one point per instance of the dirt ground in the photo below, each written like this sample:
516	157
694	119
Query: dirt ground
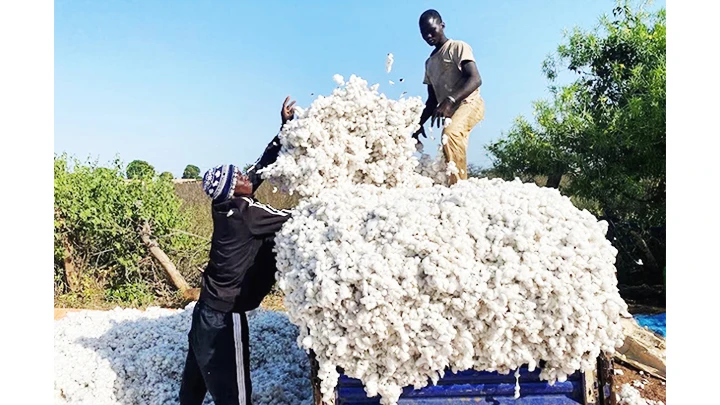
654	389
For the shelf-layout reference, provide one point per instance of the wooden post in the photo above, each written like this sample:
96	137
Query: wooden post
605	372
175	276
72	278
315	381
590	388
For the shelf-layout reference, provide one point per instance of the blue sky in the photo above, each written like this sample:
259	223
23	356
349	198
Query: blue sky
202	82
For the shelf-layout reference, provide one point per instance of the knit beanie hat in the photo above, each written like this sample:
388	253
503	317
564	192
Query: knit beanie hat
219	182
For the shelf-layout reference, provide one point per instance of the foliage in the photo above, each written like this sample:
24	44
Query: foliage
97	217
167	176
605	131
191	172
140	169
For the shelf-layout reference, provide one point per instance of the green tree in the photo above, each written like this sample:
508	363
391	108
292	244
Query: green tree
191	172
139	169
605	131
167	176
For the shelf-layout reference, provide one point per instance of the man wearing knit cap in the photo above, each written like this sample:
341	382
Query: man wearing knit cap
240	272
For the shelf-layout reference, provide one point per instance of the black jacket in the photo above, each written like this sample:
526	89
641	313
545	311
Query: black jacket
241	269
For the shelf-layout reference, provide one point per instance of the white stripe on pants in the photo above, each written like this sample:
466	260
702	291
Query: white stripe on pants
239	363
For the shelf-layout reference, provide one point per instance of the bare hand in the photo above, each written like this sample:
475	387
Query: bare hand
288	110
443	111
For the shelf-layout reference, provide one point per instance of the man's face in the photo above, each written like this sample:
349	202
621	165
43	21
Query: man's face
432	31
243	185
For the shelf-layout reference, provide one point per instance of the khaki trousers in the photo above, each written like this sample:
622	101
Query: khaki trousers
467	115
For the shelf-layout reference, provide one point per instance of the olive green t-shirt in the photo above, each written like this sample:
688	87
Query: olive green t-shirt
442	70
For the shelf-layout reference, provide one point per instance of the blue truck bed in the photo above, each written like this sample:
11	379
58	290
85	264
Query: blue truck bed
489	388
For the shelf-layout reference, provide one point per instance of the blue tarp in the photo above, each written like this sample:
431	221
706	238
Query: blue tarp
655	323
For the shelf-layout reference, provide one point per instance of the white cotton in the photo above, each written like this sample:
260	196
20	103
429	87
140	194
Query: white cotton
618	371
338	79
401	272
128	356
447	122
391	82
639	262
394	277
389	62
354	136
517	383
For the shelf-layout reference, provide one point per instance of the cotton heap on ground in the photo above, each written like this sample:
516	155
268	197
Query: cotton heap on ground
394	279
128	356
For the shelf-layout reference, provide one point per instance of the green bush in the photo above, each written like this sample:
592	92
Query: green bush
139	169
98	214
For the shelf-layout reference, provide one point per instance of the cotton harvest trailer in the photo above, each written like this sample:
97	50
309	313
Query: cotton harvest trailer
487	388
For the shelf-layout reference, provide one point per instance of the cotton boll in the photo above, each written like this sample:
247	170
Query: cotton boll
338	79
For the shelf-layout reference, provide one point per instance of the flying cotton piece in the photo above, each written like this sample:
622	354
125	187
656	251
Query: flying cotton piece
389	62
391	82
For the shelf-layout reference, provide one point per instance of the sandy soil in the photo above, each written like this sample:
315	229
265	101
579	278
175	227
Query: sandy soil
654	389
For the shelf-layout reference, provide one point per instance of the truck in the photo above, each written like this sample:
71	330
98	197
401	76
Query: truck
486	388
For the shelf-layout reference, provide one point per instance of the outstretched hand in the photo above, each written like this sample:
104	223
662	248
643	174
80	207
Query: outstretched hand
288	110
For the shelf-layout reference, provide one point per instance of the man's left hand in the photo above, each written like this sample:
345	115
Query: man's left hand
444	110
288	110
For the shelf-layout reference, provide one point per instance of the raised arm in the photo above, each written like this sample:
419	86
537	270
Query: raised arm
272	150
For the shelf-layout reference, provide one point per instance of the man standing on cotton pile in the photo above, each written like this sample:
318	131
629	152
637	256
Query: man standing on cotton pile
240	272
453	91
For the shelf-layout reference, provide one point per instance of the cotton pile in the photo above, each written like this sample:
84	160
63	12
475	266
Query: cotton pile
393	277
354	136
137	357
396	285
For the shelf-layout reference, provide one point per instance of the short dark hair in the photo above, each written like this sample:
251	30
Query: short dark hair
430	14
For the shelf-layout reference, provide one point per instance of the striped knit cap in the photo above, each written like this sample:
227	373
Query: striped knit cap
219	182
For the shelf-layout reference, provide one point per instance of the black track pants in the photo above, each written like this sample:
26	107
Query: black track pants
218	358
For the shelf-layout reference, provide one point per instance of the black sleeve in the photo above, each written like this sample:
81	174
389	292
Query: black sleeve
264	220
268	157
